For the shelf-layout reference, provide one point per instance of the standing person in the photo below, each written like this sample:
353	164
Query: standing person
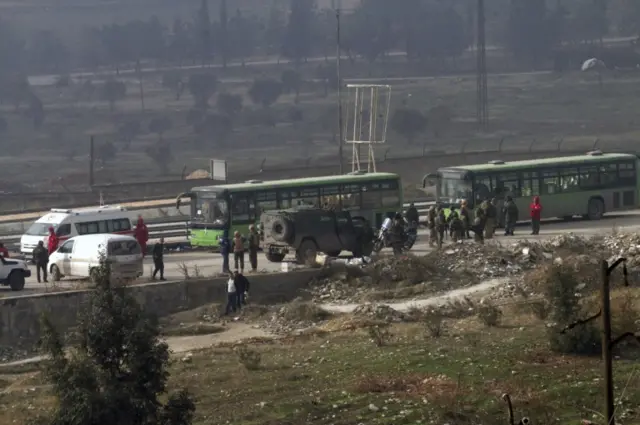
4	251
238	251
52	243
465	216
242	288
412	214
231	295
478	225
431	225
41	259
441	226
510	211
457	227
254	245
141	233
490	214
536	214
225	250
158	259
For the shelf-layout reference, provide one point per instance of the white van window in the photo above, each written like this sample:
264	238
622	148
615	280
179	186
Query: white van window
124	248
40	229
64	230
104	226
66	248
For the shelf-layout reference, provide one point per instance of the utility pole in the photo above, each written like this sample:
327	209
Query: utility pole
482	101
340	124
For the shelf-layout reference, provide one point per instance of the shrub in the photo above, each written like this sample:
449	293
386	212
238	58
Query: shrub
561	292
489	315
434	323
249	358
380	335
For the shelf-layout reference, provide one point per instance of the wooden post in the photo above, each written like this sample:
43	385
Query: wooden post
91	161
606	344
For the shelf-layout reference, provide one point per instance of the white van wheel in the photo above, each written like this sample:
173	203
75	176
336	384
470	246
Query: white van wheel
55	273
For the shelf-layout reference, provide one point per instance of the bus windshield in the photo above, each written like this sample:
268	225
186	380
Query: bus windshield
211	211
452	188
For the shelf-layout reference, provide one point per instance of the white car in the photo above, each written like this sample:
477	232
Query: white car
13	273
80	257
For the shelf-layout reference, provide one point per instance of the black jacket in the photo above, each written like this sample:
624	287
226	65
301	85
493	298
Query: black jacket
40	255
158	252
242	283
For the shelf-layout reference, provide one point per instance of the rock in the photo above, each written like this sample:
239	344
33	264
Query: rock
373	407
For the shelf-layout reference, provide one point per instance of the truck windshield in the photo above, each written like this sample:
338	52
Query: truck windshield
40	229
212	211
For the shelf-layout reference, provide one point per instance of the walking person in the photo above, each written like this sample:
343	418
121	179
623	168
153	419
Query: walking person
536	214
4	252
238	251
225	250
441	225
491	214
254	245
158	259
479	223
510	211
41	259
431	225
231	295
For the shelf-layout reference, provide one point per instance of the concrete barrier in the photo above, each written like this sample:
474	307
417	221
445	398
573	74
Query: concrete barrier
20	316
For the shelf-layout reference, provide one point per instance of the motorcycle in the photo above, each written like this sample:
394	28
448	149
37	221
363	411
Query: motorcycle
385	239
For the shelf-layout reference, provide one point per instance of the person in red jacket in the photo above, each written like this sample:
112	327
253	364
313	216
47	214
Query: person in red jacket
142	235
4	252
536	213
53	241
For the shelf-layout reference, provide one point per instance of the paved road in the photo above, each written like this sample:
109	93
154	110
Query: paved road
209	264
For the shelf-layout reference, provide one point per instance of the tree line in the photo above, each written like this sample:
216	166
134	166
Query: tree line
423	29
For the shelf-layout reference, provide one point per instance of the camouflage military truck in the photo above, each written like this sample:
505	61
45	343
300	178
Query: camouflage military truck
308	232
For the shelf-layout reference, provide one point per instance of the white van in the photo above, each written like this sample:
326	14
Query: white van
73	222
80	256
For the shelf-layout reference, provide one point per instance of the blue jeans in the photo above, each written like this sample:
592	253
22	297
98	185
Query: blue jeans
231	303
225	263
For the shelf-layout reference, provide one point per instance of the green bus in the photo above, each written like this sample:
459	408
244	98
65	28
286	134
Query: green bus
587	185
231	207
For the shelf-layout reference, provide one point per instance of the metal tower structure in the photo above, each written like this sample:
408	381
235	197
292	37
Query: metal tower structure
482	98
366	122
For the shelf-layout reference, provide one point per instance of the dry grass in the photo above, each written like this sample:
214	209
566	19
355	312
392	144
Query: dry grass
338	377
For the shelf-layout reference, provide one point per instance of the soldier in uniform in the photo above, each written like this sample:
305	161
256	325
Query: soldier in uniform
479	223
441	225
465	216
457	227
510	211
431	225
491	214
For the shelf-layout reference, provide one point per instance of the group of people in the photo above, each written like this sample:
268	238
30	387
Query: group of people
460	224
237	247
237	292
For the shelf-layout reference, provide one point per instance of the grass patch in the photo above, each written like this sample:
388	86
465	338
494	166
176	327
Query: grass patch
342	378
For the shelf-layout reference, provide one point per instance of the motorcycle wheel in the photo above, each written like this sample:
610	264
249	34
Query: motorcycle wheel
378	245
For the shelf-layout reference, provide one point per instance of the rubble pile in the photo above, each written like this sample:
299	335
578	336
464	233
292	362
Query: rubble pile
379	312
624	245
293	317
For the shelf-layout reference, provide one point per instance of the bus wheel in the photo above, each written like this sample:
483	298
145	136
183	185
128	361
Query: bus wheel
595	209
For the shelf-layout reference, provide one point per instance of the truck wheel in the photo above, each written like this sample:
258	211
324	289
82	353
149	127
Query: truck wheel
55	273
307	252
16	280
281	230
274	257
595	209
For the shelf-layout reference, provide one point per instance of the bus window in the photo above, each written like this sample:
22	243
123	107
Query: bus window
627	174
371	196
351	196
588	176
309	197
330	196
530	184
63	230
510	184
241	207
550	183
210	211
569	180
266	201
608	174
